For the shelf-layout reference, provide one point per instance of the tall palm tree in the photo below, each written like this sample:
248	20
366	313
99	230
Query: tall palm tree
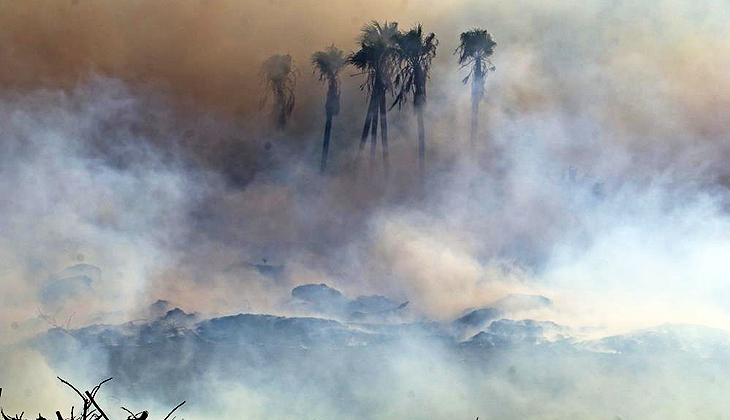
328	64
475	48
414	53
279	77
375	59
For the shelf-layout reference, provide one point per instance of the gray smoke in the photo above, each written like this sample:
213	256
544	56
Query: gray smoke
598	193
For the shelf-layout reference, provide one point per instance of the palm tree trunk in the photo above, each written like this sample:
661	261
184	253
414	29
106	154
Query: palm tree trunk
477	93
474	119
384	132
374	130
419	103
421	141
279	108
326	142
366	128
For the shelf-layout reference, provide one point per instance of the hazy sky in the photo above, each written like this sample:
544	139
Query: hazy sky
136	165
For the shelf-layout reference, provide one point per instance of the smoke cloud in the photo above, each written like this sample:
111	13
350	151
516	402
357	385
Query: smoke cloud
137	166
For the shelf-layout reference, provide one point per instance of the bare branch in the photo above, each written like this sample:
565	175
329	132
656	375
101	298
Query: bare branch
131	414
72	387
173	410
96	388
91	398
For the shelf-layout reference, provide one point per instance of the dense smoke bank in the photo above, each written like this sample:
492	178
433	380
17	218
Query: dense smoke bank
167	234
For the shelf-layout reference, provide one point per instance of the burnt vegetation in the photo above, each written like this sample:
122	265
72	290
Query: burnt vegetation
89	408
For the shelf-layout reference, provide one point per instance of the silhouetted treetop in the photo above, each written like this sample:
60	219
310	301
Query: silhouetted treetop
414	52
278	76
475	44
328	63
375	56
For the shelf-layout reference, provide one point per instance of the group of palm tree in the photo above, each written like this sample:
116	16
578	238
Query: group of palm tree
393	62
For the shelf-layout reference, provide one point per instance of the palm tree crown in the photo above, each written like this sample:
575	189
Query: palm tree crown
375	56
376	60
415	53
475	48
327	64
475	44
278	75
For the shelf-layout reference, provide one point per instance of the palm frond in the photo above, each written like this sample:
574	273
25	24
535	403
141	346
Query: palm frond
473	44
279	76
414	54
375	58
328	63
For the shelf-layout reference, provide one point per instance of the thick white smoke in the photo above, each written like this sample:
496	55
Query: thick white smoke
599	183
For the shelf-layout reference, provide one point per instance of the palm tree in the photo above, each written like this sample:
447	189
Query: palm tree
328	64
375	59
414	53
279	77
475	48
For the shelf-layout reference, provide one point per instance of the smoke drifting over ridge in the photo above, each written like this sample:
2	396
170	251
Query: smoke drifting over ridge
135	167
610	97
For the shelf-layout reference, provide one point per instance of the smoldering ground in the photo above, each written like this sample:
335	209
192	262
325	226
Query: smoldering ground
136	166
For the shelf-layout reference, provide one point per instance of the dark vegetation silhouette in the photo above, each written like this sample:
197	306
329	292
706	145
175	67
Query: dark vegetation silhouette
475	48
279	76
90	409
376	60
414	52
327	64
